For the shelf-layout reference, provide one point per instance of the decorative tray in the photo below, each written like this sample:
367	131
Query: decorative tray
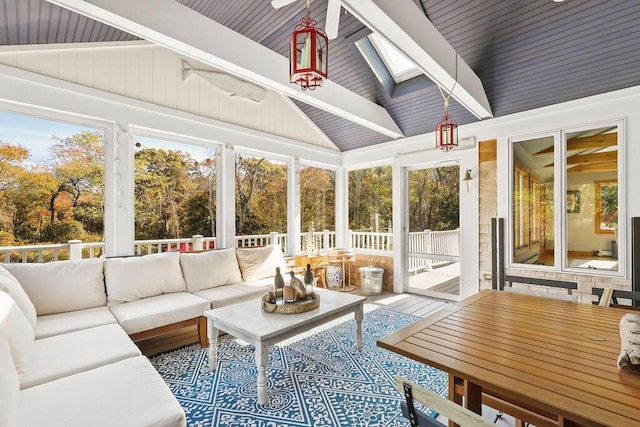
310	303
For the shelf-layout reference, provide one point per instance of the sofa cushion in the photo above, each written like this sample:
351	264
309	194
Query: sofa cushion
210	269
10	285
18	331
60	286
149	313
258	263
62	323
9	385
134	278
67	354
129	393
231	294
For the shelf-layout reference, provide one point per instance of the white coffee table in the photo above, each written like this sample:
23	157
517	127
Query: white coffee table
247	321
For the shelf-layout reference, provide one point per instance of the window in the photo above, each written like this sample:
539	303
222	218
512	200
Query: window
370	199
261	199
533	207
399	66
175	190
588	174
51	184
606	206
592	175
318	203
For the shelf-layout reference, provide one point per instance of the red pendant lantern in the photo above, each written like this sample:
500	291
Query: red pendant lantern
308	53
446	133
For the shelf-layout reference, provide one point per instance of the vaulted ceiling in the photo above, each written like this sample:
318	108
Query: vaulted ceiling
527	53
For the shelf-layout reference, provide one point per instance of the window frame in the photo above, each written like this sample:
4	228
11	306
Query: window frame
598	221
560	203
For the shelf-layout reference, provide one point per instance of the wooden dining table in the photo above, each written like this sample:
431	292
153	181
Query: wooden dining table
546	361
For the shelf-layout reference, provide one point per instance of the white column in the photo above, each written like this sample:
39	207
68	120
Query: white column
293	207
342	207
119	209
226	197
400	229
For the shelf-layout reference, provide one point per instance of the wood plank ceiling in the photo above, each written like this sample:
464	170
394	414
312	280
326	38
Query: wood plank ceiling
528	53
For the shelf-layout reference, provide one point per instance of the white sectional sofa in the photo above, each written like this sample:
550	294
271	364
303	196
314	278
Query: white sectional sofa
67	331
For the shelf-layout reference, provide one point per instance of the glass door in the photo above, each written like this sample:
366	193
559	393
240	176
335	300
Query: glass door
433	209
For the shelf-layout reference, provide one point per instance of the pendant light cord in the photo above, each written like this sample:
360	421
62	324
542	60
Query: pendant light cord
446	98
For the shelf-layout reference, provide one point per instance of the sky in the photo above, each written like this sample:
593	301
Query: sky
36	134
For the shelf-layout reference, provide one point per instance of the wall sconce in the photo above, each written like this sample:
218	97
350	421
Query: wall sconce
467	178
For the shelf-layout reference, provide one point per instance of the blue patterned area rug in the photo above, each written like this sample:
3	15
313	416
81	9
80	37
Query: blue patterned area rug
318	379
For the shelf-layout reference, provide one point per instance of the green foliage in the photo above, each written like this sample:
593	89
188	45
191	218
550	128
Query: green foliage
261	196
166	182
7	238
63	231
317	198
60	200
370	198
434	199
609	204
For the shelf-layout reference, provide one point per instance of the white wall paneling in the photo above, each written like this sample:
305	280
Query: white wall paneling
142	71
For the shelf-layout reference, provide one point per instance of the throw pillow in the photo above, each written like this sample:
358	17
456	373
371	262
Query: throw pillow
134	278
210	269
19	332
10	285
258	263
61	286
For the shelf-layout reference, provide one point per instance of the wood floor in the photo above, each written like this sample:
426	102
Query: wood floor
415	305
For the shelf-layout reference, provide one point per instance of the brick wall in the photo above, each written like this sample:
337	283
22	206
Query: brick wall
366	260
488	204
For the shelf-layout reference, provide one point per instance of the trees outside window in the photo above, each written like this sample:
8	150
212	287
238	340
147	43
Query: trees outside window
51	181
370	199
606	206
317	198
261	195
434	199
174	190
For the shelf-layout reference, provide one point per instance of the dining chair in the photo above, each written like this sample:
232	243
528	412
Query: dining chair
454	412
608	297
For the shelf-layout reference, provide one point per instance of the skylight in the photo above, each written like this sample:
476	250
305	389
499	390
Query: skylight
398	65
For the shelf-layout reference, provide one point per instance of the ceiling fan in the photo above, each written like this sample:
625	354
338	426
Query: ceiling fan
333	15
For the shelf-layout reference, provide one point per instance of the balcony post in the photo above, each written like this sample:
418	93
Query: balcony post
349	239
75	249
326	242
427	247
197	242
273	238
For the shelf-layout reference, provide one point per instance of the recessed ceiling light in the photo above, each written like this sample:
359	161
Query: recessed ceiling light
558	1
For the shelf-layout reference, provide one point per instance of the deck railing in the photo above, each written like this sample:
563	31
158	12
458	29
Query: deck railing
444	243
440	243
369	241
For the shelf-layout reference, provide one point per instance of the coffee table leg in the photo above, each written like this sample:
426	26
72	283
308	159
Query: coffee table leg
262	355
359	314
212	334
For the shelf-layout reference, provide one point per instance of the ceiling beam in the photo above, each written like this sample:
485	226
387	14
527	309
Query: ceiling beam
587	142
593	158
580	159
181	29
594	167
403	24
